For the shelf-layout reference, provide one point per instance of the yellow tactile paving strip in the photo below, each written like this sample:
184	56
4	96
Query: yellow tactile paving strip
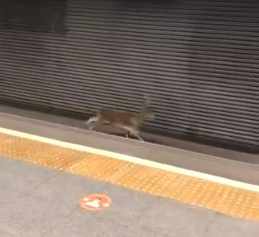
221	198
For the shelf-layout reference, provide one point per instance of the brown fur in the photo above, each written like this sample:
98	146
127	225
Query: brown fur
129	121
119	117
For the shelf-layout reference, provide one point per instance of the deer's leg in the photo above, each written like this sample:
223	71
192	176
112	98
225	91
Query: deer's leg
92	122
134	132
127	134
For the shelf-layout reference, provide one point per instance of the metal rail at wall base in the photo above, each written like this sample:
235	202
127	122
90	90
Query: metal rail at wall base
197	60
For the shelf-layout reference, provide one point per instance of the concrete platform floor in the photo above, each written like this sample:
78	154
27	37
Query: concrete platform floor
35	201
38	202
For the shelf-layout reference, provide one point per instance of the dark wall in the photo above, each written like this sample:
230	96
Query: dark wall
198	61
33	15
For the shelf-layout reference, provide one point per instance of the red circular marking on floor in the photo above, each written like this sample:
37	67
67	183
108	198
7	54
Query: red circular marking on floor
95	202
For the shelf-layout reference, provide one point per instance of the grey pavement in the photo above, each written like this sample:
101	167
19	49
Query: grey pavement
38	202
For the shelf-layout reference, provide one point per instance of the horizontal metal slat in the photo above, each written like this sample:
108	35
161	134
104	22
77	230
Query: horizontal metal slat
199	60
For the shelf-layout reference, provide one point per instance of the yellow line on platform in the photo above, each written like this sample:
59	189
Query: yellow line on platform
237	199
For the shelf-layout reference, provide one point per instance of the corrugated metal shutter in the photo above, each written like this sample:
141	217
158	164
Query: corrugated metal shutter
198	60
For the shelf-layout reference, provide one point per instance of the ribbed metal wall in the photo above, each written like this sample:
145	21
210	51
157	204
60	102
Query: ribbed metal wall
198	61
